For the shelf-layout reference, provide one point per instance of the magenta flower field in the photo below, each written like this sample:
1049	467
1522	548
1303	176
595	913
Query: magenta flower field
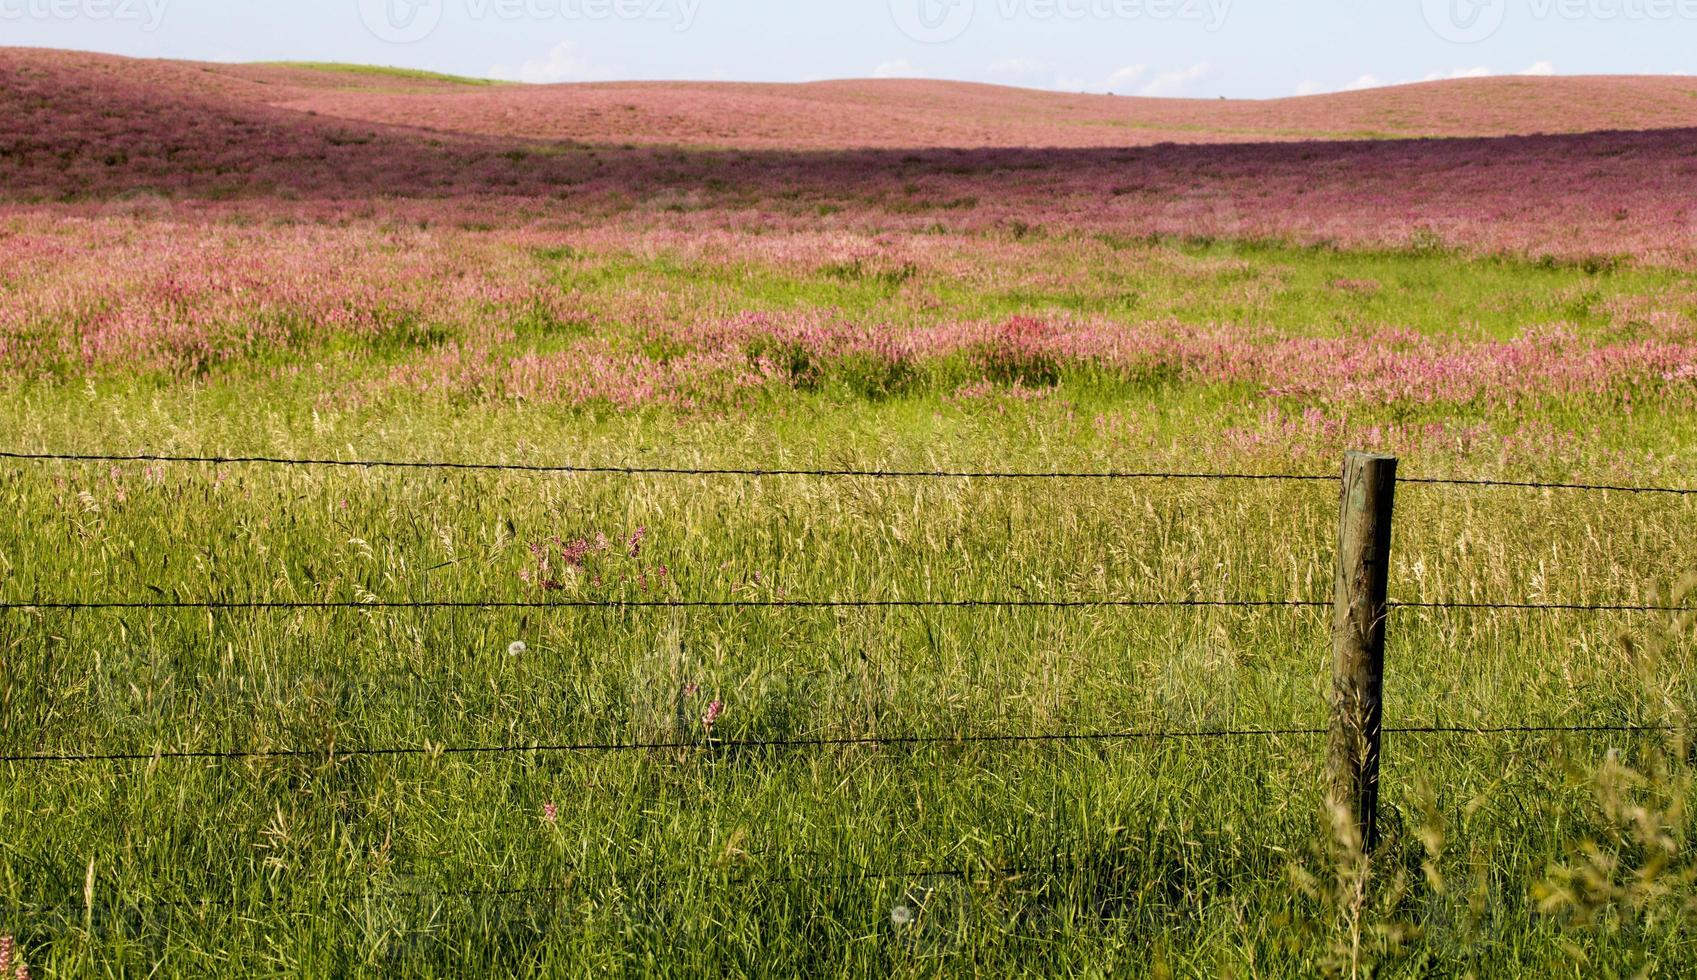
597	246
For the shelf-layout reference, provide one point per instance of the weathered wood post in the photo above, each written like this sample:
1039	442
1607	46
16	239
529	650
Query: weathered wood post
1358	639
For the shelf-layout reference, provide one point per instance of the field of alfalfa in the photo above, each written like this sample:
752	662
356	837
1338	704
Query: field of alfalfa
272	719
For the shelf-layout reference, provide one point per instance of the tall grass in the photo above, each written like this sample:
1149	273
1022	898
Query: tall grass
1153	857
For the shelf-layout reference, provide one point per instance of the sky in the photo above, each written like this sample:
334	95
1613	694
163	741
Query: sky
1192	48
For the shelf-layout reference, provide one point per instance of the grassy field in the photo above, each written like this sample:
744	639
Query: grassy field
682	331
1094	858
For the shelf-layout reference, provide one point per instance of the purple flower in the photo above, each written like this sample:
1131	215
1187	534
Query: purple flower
575	552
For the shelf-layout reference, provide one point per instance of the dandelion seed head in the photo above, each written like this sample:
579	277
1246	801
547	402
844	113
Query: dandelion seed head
516	647
901	915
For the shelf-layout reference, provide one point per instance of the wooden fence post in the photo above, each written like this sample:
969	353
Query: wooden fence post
1358	639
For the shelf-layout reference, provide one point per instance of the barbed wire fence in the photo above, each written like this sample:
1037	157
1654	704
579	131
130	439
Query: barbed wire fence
874	474
1360	606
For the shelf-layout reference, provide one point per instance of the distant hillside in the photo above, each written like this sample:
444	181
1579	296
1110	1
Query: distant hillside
876	114
1570	167
926	114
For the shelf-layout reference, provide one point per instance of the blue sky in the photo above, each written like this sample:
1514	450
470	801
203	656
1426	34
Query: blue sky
1201	48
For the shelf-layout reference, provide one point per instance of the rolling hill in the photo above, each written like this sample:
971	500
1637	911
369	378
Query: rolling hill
1564	166
872	113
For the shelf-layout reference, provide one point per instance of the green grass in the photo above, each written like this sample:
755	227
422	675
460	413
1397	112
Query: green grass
1295	290
699	860
385	71
1080	858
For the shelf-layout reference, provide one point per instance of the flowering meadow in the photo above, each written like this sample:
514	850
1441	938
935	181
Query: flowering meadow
565	767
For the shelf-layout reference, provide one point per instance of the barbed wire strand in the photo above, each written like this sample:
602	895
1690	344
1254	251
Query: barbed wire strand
726	745
1055	866
567	470
780	604
563	469
1535	485
870	741
1531	729
497	604
1542	607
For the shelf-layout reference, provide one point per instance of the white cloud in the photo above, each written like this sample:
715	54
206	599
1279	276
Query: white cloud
1536	68
563	64
899	68
1034	73
1124	78
1037	73
1478	72
1176	82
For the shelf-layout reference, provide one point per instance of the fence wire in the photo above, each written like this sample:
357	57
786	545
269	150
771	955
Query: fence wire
54	605
876	474
734	746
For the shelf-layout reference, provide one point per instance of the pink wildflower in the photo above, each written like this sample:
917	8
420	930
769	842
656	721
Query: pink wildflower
575	552
711	718
550	813
8	953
